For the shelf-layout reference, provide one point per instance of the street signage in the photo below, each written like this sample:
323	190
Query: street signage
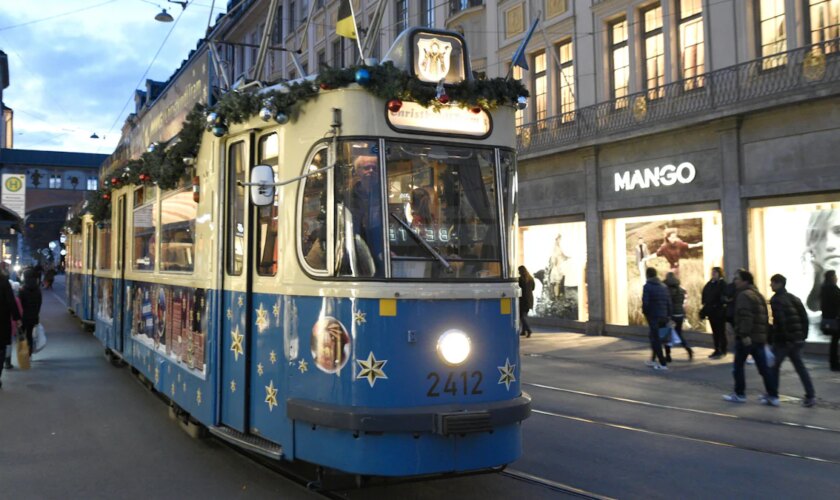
13	195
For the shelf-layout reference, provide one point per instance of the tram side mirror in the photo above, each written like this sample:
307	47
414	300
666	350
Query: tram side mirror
262	185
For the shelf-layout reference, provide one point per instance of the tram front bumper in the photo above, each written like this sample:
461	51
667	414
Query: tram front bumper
438	419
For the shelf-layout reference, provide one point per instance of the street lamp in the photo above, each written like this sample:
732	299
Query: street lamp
166	17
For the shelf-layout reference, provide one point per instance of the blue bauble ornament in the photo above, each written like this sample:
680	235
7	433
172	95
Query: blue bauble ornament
362	76
219	131
281	118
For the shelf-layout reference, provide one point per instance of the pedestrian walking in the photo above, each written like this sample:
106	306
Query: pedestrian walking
8	361
677	295
526	300
49	276
656	306
790	329
714	309
751	330
830	307
8	311
30	300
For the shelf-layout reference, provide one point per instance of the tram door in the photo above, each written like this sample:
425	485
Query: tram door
119	283
235	334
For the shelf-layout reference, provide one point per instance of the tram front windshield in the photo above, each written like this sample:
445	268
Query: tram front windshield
443	217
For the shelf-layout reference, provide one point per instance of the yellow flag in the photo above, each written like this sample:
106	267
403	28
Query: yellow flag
345	25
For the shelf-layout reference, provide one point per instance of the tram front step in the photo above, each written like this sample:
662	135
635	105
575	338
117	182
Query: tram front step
247	441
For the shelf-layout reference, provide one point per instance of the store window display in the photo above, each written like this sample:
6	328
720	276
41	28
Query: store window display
688	245
559	269
801	242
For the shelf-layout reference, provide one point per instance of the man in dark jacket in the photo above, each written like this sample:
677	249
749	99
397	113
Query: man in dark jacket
30	300
8	311
790	329
713	310
751	331
656	306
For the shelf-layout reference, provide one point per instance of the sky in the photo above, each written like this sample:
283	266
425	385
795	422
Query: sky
74	64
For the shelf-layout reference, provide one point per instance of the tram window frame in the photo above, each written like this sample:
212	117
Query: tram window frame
235	193
90	253
168	231
144	200
268	216
103	247
324	200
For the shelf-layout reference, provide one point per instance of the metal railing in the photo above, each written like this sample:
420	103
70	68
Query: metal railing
725	91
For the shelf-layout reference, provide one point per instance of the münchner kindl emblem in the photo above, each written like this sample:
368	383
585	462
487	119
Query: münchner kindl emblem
433	64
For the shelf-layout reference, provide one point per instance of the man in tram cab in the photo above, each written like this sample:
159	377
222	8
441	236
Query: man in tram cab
364	204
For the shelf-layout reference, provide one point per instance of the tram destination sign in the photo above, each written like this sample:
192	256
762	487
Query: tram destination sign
413	117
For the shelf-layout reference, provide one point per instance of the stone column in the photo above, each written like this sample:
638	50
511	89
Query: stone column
594	245
732	207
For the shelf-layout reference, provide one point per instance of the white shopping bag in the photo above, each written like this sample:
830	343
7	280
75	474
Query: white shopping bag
39	337
675	339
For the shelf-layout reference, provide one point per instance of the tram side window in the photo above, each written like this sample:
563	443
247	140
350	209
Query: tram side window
511	200
313	224
103	260
358	211
267	244
177	234
236	209
144	228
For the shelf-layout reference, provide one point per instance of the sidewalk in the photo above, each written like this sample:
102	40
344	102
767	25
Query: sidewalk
73	426
627	355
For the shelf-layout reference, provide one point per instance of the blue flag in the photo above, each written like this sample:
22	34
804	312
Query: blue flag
519	58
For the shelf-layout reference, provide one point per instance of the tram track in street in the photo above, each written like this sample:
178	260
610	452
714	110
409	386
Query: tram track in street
552	485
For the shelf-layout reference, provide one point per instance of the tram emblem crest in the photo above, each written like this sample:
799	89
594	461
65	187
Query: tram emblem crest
433	64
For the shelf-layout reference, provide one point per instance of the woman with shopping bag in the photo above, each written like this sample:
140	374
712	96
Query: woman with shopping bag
30	299
8	311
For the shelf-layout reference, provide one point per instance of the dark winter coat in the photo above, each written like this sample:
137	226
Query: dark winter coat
8	310
729	293
30	299
790	320
656	303
830	300
677	294
713	299
526	300
751	318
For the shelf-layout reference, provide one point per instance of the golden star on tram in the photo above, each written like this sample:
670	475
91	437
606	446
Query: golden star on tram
198	396
271	395
303	366
507	373
275	310
272	356
172	389
184	387
236	339
241	301
359	317
229	314
260	369
233	386
371	369
262	319
157	375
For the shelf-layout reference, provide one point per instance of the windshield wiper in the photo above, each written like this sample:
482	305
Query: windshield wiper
423	243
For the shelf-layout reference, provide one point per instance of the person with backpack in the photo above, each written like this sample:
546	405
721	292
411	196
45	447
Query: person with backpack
790	329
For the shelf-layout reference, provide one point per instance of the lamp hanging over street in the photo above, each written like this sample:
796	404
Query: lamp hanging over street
94	136
164	17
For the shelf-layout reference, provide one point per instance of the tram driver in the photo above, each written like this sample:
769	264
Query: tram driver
362	197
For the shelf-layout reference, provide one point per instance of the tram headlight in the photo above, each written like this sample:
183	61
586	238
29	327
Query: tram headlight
454	347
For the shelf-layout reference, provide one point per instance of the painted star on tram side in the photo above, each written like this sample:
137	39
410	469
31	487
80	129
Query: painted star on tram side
262	319
272	356
359	317
229	314
184	387
241	301
371	369
260	369
198	396
172	389
303	366
233	386
276	311
271	395
236	343
157	375
506	371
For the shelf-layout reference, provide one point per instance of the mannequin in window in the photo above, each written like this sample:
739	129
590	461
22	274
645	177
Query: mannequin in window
642	256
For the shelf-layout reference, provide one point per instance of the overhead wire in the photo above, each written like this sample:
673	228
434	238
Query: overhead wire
62	14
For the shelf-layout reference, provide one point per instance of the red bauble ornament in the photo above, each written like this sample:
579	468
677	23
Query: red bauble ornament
443	99
476	109
324	86
106	196
114	181
143	177
394	105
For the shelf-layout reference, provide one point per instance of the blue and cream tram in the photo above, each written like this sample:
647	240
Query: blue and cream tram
361	315
79	265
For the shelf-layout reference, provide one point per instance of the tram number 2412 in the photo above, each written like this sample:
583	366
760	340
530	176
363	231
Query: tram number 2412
463	382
